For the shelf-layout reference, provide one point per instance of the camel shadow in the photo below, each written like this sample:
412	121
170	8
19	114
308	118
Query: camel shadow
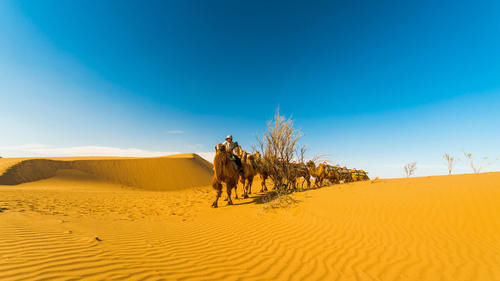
2	209
262	198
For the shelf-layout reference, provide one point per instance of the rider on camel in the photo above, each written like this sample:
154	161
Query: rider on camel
230	146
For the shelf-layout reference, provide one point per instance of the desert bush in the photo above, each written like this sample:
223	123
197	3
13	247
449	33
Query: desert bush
477	167
278	147
450	162
410	169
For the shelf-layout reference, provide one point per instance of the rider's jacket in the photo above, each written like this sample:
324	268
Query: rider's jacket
230	146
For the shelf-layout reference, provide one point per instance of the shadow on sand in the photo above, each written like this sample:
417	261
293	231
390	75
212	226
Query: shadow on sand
266	197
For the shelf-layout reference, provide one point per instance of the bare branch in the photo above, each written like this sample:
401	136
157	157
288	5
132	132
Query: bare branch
279	146
410	169
477	168
450	162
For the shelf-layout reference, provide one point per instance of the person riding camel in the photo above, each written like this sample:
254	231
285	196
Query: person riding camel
230	146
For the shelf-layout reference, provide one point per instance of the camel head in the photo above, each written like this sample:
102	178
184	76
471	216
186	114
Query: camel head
250	157
221	154
220	147
257	156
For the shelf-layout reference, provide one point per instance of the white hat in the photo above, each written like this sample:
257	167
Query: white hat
229	137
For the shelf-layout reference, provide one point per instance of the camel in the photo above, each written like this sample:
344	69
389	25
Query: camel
355	175
249	172
345	175
224	172
311	166
322	173
325	172
359	175
319	173
332	174
262	171
363	175
301	170
238	151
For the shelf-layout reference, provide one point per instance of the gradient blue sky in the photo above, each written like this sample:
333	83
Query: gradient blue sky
373	84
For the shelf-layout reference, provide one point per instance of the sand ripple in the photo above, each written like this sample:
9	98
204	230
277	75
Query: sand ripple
437	228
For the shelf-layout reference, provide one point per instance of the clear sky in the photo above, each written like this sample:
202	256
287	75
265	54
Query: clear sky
373	84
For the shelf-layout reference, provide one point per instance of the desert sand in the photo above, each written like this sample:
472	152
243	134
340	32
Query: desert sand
150	219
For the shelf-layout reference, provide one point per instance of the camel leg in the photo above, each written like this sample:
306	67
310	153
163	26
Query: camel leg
250	181
263	185
236	191
229	201
219	192
319	181
245	193
243	180
245	190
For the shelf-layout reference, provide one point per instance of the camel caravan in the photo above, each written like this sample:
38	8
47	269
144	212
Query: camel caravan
232	164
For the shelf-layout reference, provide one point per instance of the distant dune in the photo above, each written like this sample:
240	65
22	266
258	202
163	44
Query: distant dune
83	223
158	173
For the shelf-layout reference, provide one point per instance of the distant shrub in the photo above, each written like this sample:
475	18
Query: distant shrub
410	169
450	162
477	167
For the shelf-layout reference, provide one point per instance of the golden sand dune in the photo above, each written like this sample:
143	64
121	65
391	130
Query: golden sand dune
80	226
159	173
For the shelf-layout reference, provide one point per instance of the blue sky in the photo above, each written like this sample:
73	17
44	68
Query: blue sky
373	84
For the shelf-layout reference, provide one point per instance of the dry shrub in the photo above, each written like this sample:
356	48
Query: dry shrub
485	162
278	147
450	162
410	169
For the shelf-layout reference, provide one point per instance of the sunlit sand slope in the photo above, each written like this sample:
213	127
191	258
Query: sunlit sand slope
76	226
161	173
164	173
